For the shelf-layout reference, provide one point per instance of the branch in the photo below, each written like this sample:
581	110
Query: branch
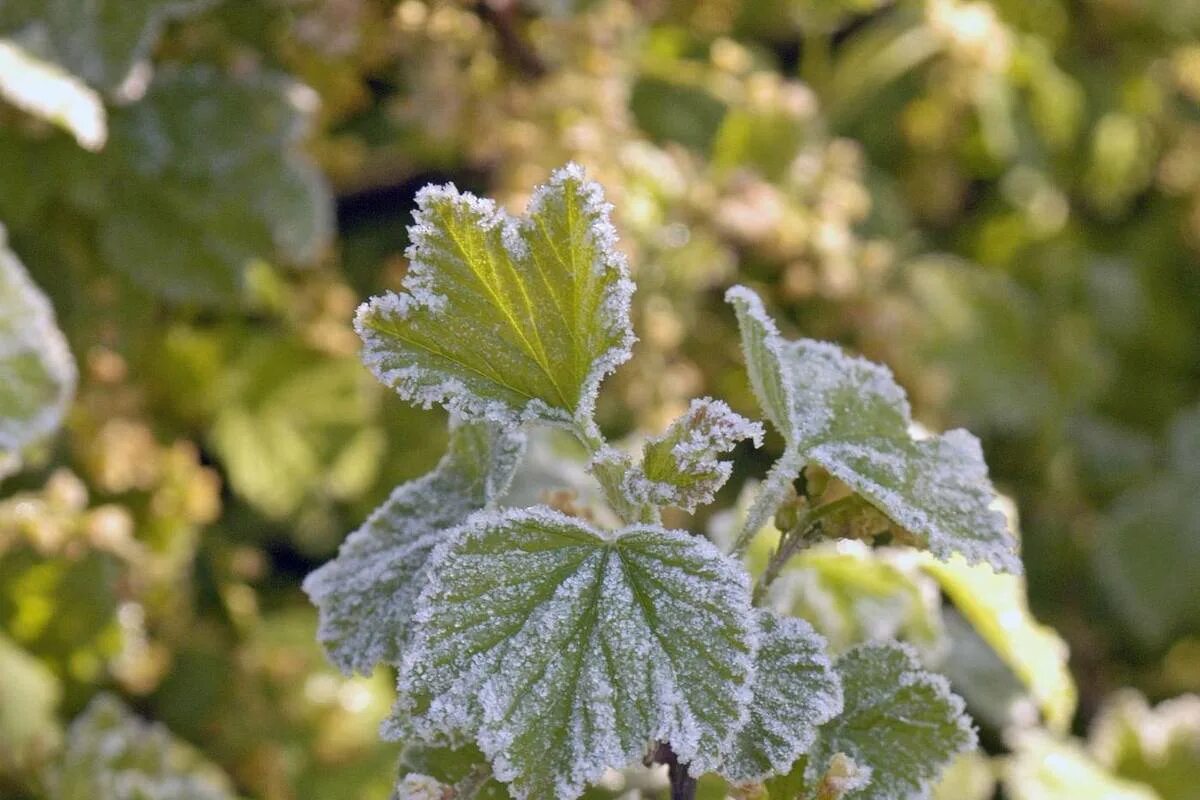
683	786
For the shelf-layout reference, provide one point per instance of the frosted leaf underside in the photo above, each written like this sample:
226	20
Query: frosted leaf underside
564	650
681	467
366	595
795	691
901	722
37	373
507	318
849	416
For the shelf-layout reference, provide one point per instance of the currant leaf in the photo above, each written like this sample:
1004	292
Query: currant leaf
849	416
564	650
681	468
795	691
37	373
113	754
900	722
365	596
504	318
100	41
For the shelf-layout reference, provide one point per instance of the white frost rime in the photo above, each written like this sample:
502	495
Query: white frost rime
681	467
795	691
563	650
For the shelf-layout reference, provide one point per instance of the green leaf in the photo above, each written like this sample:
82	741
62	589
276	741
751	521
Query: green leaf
795	691
112	754
854	594
47	92
899	721
100	41
285	418
564	649
37	373
681	468
1154	530
366	594
204	176
996	606
503	318
849	416
1158	746
29	697
1045	768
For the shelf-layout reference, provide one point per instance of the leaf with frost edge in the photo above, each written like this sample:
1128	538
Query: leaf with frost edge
365	596
898	671
429	386
774	365
28	328
680	467
449	687
796	690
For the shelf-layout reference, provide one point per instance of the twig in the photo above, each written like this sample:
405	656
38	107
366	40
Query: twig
502	16
683	786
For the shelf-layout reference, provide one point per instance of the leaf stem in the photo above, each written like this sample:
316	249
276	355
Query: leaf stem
799	537
683	785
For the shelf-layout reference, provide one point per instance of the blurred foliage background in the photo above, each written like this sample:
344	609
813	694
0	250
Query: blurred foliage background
1000	199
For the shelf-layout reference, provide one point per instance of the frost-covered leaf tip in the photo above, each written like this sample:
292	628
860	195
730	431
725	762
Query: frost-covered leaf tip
563	650
681	468
506	318
365	596
849	416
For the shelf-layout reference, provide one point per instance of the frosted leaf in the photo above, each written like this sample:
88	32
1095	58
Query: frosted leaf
365	596
996	606
506	318
205	175
112	754
681	468
564	650
901	722
100	41
462	770
37	373
849	416
47	92
1045	768
795	691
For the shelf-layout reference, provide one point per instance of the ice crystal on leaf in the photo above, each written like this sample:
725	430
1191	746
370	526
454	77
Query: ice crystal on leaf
366	594
37	373
506	318
901	722
849	416
681	467
564	650
795	691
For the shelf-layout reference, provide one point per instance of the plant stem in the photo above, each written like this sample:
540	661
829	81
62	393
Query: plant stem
683	785
800	536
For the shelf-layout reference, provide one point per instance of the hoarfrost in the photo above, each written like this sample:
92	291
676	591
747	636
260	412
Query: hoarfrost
681	467
795	691
564	650
849	416
506	319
